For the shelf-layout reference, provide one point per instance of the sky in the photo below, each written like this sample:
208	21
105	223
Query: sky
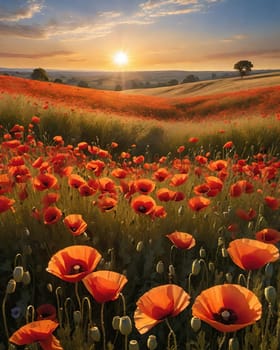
155	34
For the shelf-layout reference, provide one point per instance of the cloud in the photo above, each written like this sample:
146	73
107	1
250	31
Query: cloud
26	11
275	53
233	38
35	55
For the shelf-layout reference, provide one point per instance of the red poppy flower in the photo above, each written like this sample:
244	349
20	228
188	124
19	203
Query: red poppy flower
96	166
85	190
104	285
46	312
251	254
51	215
50	198
119	173
35	120
158	212
20	173
227	307
73	263
139	159
201	159
235	190
178	179
181	149
272	202
181	240
44	181
161	174
143	204
6	203
75	180
58	139
37	331
193	139
144	186
75	224
5	184
165	195
218	165
158	304
106	185
228	145
198	203
201	189
268	235
106	202
246	215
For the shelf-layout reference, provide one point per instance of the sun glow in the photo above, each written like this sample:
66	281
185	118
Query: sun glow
120	58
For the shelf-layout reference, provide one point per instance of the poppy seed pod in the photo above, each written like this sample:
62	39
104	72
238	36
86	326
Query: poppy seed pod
202	253
195	323
211	267
229	277
11	286
152	342
270	294
18	273
125	325
26	278
77	317
196	267
171	269
133	345
116	323
94	334
160	267
140	246
268	270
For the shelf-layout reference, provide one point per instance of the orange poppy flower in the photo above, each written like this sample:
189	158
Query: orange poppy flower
58	139
193	139
227	307
158	212
20	173
178	179
96	166
44	181
85	190
198	203
228	145
161	174
201	189
268	235
201	159
46	312
106	185
159	303
5	184
73	263
50	198
106	203
251	254
143	204
35	119
144	186
165	194
214	183
138	159
119	173
104	285
51	215
37	331
182	240
75	180
217	165
75	224
6	204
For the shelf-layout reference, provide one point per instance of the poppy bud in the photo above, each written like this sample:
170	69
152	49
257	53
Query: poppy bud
160	267
26	278
211	267
224	253
133	345
171	270
11	286
195	323
50	287
139	246
268	270
77	316
196	267
270	294
229	277
18	273
152	342
233	344
125	325
202	253
116	323
221	241
94	334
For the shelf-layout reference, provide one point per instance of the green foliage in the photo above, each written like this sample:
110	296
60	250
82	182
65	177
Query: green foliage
243	66
39	74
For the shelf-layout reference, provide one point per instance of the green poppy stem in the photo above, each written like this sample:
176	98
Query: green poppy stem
103	325
78	296
249	279
123	304
171	334
4	315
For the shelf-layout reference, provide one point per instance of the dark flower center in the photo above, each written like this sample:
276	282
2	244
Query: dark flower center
225	316
142	209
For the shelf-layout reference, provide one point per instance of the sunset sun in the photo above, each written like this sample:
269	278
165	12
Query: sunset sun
120	58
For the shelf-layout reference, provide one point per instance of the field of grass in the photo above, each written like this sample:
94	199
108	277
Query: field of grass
116	227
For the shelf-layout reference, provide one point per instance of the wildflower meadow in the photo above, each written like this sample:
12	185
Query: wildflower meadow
134	233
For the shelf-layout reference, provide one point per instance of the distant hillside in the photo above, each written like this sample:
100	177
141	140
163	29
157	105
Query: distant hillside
210	87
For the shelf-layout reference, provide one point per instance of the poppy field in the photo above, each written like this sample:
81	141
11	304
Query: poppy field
108	245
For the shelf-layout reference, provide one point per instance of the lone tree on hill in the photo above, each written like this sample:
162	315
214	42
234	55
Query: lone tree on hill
243	67
39	74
